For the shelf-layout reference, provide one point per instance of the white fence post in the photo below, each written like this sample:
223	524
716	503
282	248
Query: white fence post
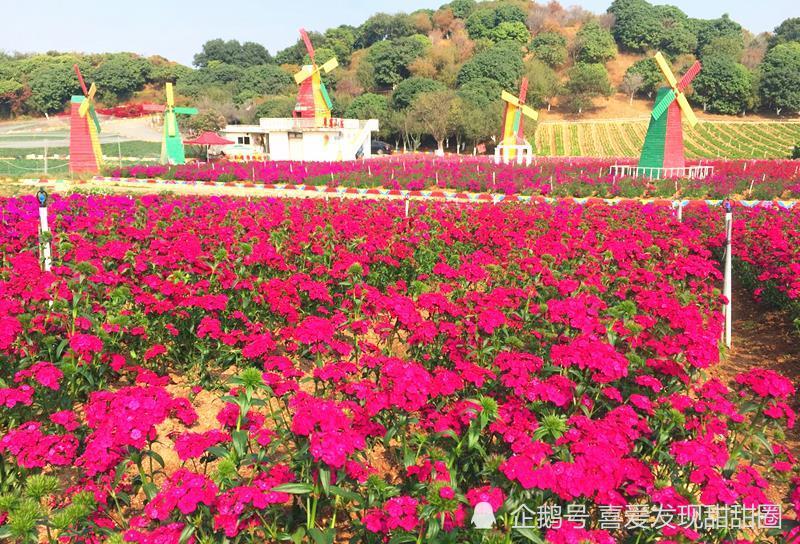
407	203
728	278
41	197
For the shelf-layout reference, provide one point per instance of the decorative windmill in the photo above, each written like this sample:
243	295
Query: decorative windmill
513	121
85	154
172	144
313	101
663	144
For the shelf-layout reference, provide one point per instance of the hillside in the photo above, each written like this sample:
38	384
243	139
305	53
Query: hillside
581	66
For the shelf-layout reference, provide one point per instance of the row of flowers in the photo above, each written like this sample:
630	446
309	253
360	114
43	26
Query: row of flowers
765	250
761	179
221	370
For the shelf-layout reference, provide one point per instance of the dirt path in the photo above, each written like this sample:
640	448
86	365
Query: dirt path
764	337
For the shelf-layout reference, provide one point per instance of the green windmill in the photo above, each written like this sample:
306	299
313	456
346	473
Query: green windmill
172	144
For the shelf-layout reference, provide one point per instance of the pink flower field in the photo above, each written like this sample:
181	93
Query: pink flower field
548	176
219	370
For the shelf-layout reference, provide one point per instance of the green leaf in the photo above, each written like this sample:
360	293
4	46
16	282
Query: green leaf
298	535
345	494
322	537
186	534
150	490
530	535
403	539
294	488
325	480
239	442
155	456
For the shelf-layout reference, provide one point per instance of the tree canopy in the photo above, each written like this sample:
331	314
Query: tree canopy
780	77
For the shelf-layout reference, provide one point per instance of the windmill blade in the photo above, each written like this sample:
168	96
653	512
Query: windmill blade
303	74
95	118
666	70
171	124
186	111
325	95
530	113
517	121
153	108
523	90
170	95
87	101
84	107
307	41
663	104
510	98
330	65
80	79
687	110
689	75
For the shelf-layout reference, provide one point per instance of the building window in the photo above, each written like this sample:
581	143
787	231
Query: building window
243	140
295	135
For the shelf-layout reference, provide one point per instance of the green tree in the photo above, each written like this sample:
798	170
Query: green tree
502	63
723	86
276	106
205	121
383	26
162	71
368	106
508	13
120	75
266	79
594	44
297	52
677	33
215	75
510	31
651	76
543	84
708	30
780	78
232	52
439	113
462	8
51	85
13	95
550	48
390	59
408	89
631	83
636	25
586	82
787	31
341	40
480	23
484	20
480	92
730	46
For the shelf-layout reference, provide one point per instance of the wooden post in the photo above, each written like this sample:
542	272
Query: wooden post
728	278
41	197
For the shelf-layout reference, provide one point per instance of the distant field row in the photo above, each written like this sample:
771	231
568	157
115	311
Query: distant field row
731	140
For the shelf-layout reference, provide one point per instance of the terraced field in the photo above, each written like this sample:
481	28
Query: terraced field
710	139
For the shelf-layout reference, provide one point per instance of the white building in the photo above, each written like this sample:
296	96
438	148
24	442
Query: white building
297	139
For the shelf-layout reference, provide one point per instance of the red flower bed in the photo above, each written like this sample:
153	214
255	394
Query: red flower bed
197	369
557	177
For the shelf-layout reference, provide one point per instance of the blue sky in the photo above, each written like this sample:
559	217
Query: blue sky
177	29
